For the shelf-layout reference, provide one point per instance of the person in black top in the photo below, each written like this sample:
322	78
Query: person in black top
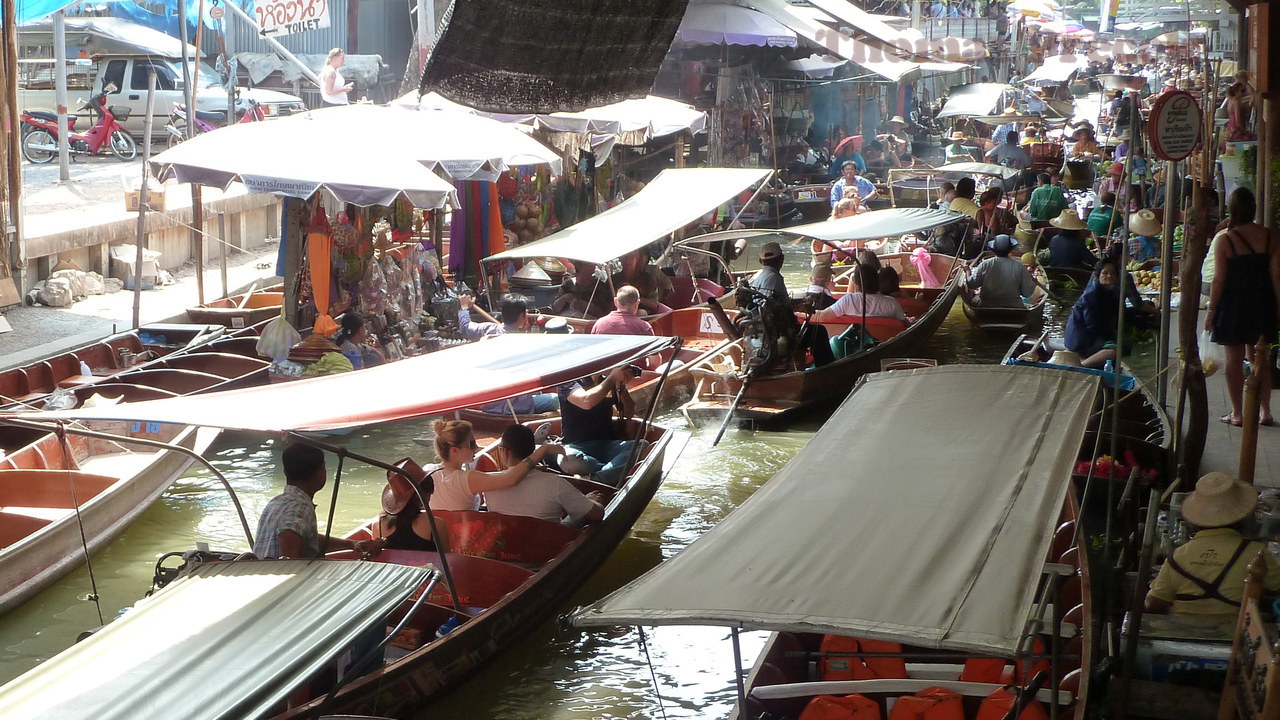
402	524
592	446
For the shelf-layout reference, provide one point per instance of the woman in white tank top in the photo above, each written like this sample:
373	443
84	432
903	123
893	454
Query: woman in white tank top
333	88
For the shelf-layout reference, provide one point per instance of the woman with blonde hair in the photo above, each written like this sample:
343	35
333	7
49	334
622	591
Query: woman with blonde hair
333	88
457	483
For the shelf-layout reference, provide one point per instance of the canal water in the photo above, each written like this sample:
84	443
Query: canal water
554	673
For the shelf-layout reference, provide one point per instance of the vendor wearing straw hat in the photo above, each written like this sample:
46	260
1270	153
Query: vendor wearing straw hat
1067	249
1144	243
1206	576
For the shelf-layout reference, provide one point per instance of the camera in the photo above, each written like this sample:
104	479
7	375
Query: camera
636	370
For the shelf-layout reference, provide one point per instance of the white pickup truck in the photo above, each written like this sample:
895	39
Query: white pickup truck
129	74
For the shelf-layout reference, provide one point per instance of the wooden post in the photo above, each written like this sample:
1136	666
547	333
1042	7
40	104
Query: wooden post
197	197
1252	389
144	196
17	251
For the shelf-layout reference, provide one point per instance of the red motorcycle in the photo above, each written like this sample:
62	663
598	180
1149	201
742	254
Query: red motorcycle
40	132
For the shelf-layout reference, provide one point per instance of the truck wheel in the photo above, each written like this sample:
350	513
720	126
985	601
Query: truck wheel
123	146
32	150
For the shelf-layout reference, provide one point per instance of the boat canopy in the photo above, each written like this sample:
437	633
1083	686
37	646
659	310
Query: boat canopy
674	199
228	640
431	384
1057	69
920	513
978	168
877	224
975	99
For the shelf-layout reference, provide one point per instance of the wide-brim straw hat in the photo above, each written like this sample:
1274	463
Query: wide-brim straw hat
1219	500
897	119
958	135
1065	357
399	491
1170	82
1144	222
1068	220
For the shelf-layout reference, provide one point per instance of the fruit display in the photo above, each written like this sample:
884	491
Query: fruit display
1149	281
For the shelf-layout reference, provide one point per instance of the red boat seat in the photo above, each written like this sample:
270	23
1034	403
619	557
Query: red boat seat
851	707
509	538
15	527
881	328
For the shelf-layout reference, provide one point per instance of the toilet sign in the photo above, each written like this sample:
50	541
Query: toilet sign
1174	125
286	17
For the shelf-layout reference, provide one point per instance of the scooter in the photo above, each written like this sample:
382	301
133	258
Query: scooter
40	136
206	120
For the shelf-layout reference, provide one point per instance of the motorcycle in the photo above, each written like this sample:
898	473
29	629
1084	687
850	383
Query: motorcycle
40	132
206	120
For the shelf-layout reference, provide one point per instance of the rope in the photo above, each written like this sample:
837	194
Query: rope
75	503
653	676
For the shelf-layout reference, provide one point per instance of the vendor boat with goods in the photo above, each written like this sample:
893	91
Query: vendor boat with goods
940	614
63	496
270	625
765	375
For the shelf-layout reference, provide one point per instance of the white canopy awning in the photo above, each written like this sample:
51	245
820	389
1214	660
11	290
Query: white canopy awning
817	65
228	640
1057	69
465	146
978	168
718	23
674	199
286	157
876	224
975	99
866	534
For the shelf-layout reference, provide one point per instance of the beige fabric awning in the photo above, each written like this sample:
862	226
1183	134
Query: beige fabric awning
921	512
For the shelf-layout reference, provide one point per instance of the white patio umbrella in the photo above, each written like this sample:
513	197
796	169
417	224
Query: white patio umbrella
297	155
721	24
464	146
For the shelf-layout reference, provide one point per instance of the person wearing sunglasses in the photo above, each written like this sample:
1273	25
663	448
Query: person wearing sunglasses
458	484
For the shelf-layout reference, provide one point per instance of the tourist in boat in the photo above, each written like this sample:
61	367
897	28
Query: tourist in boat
946	193
653	284
591	443
819	294
1243	299
514	314
624	320
863	299
963	201
1002	281
1205	577
769	279
1011	155
540	494
991	219
1047	200
1068	248
890	282
287	526
1103	219
847	207
1091	328
458	484
403	525
350	340
854	183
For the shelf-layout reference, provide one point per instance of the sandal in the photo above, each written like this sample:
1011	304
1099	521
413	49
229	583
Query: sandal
1227	419
1269	421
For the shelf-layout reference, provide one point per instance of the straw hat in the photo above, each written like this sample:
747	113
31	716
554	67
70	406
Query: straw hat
770	251
897	119
1029	259
399	491
1068	220
1144	223
1009	111
1065	357
1219	500
958	136
1170	82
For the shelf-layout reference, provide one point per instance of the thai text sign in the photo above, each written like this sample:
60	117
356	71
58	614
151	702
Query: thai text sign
1174	125
286	17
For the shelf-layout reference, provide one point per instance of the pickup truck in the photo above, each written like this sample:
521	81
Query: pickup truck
129	74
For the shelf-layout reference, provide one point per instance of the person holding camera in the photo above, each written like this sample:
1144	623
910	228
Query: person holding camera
591	442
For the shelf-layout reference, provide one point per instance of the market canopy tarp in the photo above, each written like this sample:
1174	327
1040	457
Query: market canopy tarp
725	24
107	35
674	199
332	149
877	224
228	640
465	146
552	55
652	116
978	168
431	384
865	533
975	99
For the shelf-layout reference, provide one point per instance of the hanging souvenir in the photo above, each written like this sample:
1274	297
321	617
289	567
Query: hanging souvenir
319	249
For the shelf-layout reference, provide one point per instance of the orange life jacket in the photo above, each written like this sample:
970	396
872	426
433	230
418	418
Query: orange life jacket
929	704
851	707
983	670
998	704
857	668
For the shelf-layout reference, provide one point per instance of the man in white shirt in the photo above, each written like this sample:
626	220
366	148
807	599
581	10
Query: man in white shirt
540	494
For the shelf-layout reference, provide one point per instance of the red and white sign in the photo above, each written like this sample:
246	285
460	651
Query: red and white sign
286	17
1175	125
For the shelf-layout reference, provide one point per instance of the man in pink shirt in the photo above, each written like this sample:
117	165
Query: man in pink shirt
624	320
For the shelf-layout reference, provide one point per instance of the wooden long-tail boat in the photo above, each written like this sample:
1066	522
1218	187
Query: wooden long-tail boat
509	574
55	488
1005	319
960	569
244	309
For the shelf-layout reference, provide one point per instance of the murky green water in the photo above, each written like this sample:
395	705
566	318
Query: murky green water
553	673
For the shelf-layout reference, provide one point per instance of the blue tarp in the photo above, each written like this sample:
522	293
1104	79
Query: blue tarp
29	11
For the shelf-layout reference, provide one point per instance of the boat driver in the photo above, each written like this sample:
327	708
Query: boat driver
1206	576
851	181
592	446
